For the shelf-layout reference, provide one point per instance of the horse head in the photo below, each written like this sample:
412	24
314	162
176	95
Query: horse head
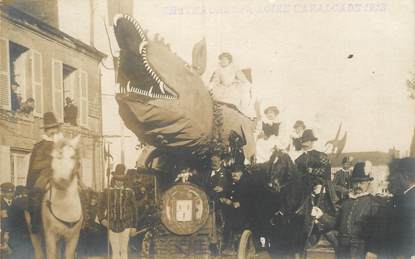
65	161
281	170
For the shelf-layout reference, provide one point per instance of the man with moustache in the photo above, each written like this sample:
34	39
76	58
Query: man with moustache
354	215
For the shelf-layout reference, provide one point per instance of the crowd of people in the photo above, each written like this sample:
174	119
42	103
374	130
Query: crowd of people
340	207
111	217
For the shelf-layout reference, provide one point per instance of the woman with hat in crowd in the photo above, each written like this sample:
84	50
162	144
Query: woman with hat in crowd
271	135
117	212
296	145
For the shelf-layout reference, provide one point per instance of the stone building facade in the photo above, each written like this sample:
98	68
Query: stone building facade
47	65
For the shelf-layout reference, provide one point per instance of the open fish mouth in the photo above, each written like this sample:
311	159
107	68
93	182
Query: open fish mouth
142	78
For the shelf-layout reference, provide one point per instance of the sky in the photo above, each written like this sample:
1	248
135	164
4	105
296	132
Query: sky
324	62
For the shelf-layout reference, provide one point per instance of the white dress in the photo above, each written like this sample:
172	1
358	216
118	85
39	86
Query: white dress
230	85
265	147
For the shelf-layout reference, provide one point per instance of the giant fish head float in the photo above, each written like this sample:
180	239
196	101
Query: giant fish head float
163	99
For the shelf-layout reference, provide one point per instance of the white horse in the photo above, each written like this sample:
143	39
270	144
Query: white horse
61	205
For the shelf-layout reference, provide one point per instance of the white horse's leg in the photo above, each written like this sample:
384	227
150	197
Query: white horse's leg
70	245
35	238
37	246
51	245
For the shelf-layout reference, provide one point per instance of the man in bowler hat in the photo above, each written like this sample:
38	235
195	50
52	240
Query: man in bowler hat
354	215
40	167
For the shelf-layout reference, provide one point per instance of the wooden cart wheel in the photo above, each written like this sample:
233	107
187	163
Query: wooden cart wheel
246	248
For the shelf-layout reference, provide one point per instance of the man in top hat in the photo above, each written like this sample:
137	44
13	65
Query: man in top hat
40	167
402	186
314	166
341	180
7	195
354	215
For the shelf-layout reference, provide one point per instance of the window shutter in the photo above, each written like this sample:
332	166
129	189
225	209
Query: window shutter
57	86
5	162
83	98
37	81
86	166
20	168
5	99
28	76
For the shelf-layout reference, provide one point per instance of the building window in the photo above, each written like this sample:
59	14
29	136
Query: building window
70	94
19	166
20	78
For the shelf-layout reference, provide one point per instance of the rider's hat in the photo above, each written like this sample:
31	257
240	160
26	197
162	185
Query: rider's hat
308	135
403	166
361	172
50	121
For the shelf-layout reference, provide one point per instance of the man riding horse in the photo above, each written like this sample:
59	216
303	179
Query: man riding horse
40	170
314	167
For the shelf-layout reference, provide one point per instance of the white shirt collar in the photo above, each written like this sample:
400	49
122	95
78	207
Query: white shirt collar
214	172
410	188
267	121
8	201
355	196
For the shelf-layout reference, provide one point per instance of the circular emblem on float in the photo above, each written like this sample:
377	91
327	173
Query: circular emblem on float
185	209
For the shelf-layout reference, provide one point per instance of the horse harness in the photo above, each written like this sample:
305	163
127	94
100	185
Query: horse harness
69	224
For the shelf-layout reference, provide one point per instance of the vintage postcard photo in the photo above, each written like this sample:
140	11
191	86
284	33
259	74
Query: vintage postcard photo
235	129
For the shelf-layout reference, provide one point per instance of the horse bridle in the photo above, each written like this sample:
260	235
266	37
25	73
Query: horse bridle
74	173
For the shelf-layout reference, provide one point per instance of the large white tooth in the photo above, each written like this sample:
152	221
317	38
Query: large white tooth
161	85
150	91
142	45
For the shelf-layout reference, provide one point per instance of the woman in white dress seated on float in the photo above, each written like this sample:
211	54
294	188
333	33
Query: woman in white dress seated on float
229	85
271	135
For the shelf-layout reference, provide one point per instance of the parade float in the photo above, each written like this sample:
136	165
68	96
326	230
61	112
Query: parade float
164	102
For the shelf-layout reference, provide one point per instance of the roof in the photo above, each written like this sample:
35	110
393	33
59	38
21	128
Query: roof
34	24
375	157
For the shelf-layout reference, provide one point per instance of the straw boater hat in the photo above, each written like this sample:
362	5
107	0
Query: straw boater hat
361	172
50	121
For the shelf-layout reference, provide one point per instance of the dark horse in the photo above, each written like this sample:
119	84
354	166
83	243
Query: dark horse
275	194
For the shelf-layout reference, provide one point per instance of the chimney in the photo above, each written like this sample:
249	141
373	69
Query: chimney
44	10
